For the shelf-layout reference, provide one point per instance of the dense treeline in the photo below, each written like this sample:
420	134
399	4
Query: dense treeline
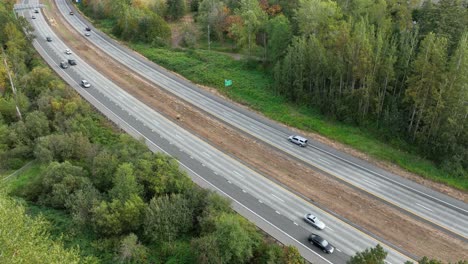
398	69
393	67
134	206
135	20
376	67
390	66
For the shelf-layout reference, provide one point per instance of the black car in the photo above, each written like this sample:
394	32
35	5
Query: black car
36	11
49	39
63	64
88	29
321	243
71	61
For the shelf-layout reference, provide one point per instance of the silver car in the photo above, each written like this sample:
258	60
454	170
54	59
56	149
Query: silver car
313	220
85	84
298	140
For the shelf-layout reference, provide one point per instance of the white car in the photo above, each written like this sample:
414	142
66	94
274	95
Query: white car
68	51
298	140
87	34
313	220
85	84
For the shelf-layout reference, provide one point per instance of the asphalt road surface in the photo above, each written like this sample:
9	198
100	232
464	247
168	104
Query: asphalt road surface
270	206
442	211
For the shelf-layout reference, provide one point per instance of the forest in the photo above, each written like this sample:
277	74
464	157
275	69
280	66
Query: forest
397	69
89	193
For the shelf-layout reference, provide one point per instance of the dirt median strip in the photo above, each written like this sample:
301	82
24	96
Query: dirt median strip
375	216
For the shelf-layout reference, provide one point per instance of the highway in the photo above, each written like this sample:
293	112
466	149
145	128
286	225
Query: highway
440	210
270	206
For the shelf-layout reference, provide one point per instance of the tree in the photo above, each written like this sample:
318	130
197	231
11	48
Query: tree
292	255
175	9
447	18
233	238
268	253
159	7
15	45
118	217
103	169
206	250
125	183
426	260
59	182
375	255
62	147
161	175
253	19
212	14
451	135
37	125
316	16
167	217
425	86
26	240
279	37
132	251
81	202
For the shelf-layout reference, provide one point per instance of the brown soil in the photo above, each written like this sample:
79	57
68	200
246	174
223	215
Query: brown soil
387	222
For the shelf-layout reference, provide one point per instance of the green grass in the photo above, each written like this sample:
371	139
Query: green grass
252	87
5	173
26	177
62	227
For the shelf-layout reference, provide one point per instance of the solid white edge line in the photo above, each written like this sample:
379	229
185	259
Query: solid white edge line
325	151
196	174
132	128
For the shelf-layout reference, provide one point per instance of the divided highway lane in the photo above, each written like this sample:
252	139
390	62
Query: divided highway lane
275	207
439	209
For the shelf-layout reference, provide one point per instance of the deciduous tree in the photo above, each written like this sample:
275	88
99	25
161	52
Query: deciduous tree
375	255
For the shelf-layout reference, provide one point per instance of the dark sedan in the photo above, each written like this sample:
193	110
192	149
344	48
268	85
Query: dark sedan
321	243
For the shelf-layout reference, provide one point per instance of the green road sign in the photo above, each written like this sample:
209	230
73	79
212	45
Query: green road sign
227	83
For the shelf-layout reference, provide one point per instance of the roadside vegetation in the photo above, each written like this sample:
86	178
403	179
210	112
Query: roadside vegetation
384	77
93	194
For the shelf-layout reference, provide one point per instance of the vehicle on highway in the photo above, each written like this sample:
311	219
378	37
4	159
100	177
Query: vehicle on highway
87	28
49	39
298	140
85	84
36	11
71	13
71	61
87	34
63	64
68	51
33	17
314	221
321	243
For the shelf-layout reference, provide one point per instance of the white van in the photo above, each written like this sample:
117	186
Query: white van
298	140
